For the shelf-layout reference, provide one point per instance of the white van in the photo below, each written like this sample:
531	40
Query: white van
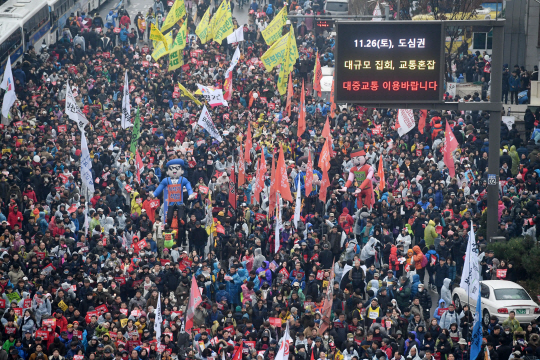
336	7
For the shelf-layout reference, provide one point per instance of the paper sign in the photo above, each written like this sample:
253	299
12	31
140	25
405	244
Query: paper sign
501	273
128	188
120	280
63	305
62	128
276	322
441	311
102	309
43	334
320	275
203	189
117	30
260	217
49	323
27	303
124	311
89	315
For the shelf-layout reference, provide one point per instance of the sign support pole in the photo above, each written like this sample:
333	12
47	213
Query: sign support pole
495	131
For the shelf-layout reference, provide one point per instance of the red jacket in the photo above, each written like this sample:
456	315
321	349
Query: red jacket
31	195
62	323
15	217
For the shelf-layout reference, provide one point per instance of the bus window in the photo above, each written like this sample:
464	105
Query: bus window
36	21
10	45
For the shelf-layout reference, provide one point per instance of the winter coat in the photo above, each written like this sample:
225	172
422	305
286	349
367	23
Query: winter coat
446	291
449	318
430	234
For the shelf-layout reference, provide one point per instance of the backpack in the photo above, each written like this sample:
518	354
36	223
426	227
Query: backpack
424	261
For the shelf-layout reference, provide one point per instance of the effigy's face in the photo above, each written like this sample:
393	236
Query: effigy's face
359	160
303	166
175	171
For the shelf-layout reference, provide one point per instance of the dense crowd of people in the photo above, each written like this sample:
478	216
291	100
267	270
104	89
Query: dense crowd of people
72	291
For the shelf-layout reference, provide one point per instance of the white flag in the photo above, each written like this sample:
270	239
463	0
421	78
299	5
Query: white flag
205	121
283	352
214	97
343	237
236	36
406	121
298	206
470	278
86	165
8	84
234	61
126	106
279	223
158	319
73	111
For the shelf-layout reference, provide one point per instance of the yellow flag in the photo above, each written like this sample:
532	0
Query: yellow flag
224	25
202	28
216	20
176	59
176	55
178	11
159	50
156	35
276	53
180	41
284	70
273	31
185	92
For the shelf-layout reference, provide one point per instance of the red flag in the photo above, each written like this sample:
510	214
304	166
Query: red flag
332	103
327	135
422	121
272	198
232	189
308	182
249	144
302	115
450	145
380	172
139	164
238	353
325	182
317	76
228	87
259	180
282	184
194	301
241	168
324	159
289	96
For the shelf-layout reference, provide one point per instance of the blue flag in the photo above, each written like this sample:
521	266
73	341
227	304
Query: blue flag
476	341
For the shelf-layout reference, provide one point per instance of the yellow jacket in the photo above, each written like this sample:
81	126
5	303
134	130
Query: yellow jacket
134	206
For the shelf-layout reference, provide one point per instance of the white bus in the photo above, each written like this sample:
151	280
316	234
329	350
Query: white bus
33	17
11	42
60	10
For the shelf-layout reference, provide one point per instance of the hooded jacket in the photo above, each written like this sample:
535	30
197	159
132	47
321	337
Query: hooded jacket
446	291
430	234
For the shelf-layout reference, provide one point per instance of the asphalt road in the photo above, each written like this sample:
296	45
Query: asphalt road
142	5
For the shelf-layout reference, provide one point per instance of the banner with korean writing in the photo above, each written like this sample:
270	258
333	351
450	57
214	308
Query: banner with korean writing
273	31
205	121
